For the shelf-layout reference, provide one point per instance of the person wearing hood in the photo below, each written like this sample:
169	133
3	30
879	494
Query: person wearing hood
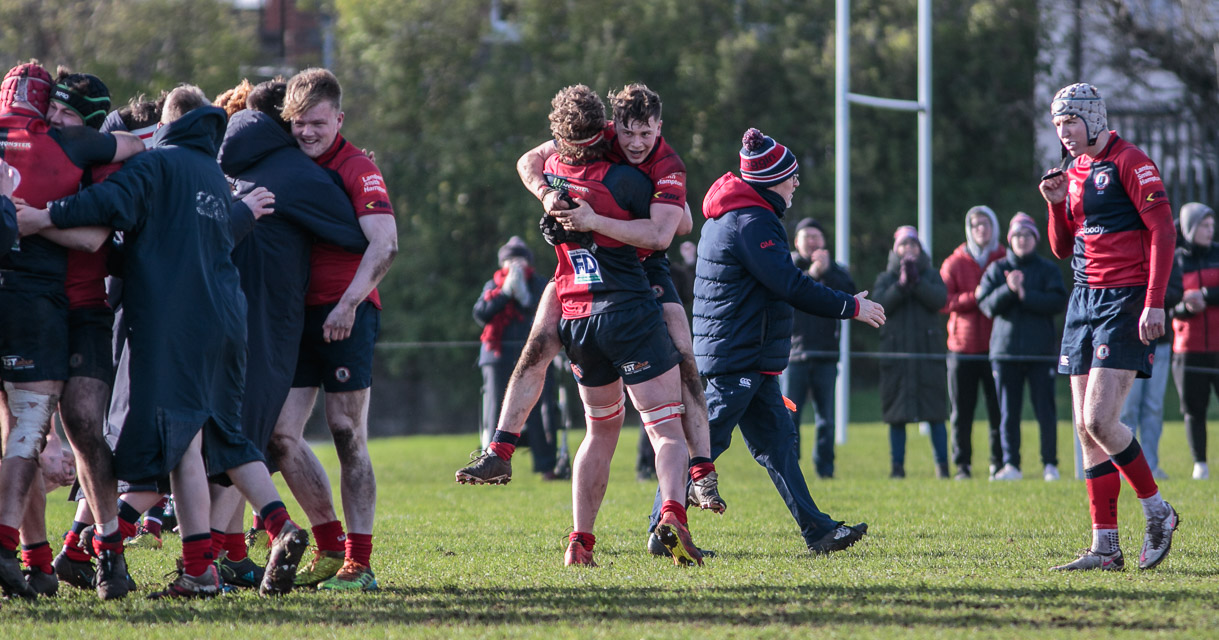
813	366
912	385
1195	323
273	258
186	329
1022	293
969	338
745	288
505	310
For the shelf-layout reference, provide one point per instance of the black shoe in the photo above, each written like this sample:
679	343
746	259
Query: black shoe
485	468
12	580
280	574
657	548
841	537
44	584
112	580
898	471
244	574
77	574
941	471
963	473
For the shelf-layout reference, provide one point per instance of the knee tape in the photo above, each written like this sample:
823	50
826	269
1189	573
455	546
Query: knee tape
31	411
607	412
659	415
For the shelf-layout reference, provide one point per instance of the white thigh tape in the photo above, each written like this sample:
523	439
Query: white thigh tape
608	412
663	413
31	422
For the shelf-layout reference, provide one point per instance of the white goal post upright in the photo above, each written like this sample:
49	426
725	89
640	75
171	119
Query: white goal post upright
843	98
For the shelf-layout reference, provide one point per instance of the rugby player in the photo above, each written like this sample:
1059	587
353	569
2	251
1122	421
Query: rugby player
342	319
1109	213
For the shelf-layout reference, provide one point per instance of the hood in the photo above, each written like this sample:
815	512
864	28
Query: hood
730	193
980	254
1192	214
201	130
251	136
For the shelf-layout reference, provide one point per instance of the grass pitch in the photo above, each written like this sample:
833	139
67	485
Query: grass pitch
944	559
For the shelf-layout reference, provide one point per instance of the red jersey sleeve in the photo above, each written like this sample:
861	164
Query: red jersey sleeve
1141	179
365	185
668	174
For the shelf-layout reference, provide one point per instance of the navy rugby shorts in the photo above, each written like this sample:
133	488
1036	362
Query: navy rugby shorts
661	280
345	365
90	344
632	344
33	336
1102	331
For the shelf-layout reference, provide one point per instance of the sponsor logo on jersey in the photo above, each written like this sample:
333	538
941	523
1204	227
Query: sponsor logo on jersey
373	183
1092	230
661	195
1151	197
673	180
1102	352
23	146
635	367
16	363
377	204
585	267
563	184
1147	174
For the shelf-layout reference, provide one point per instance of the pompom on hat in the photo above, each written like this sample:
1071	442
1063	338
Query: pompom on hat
765	162
1083	101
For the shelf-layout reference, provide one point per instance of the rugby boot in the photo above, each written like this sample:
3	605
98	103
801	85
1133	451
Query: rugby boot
324	566
839	538
704	493
77	574
12	580
206	585
577	555
286	552
144	540
352	577
112	579
485	468
86	541
257	541
1089	560
1157	538
657	548
44	584
244	574
676	538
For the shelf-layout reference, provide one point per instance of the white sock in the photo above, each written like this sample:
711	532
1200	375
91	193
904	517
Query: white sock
1104	541
108	527
1154	505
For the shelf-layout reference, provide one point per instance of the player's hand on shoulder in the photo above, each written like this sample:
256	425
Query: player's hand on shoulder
260	201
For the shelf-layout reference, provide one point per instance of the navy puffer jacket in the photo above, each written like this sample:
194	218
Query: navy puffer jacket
746	285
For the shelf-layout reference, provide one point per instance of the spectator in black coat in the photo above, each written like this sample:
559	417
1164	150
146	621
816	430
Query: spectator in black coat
1022	293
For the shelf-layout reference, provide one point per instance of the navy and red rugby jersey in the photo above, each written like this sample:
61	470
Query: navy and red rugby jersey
663	166
1116	222
85	282
611	277
51	163
332	268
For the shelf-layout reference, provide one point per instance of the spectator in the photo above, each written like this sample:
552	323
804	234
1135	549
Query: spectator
912	386
1022	293
969	336
1196	323
813	366
505	310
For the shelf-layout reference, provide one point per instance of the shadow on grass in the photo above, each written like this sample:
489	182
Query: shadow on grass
1040	607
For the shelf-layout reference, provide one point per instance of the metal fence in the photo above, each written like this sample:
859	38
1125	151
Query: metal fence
1186	151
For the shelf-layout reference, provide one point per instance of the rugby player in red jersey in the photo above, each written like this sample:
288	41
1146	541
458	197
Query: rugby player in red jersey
342	319
1109	213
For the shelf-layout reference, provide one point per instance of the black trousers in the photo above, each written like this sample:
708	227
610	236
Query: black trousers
965	376
1195	388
